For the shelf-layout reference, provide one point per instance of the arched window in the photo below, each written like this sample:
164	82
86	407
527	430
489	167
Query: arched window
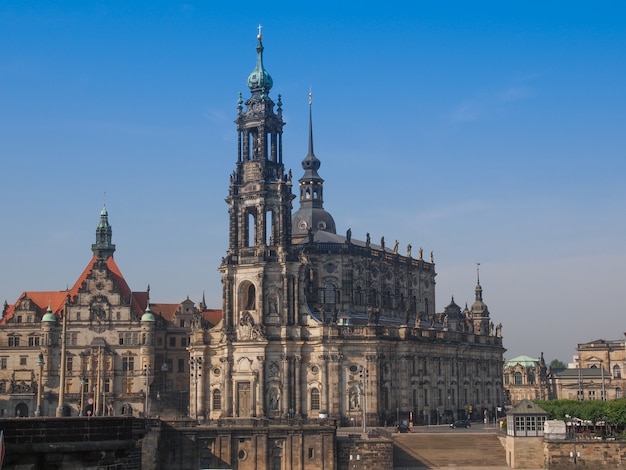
518	378
618	392
248	294
372	298
617	372
358	296
315	399
217	399
329	294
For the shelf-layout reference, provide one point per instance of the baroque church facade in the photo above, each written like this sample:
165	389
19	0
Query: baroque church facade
318	324
313	324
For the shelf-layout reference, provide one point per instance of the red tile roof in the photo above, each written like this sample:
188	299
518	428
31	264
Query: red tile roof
56	299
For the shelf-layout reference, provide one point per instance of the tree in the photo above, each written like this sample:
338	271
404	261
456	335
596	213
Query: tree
557	364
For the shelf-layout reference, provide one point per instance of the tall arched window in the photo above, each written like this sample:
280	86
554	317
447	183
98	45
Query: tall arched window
248	296
617	372
518	378
329	294
217	399
315	399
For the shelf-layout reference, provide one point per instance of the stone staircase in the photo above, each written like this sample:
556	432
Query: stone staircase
448	450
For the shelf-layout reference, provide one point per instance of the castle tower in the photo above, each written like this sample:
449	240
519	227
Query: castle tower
103	248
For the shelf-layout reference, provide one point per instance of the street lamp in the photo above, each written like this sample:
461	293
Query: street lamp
574	454
83	382
40	363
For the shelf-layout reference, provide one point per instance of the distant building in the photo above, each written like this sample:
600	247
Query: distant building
526	378
595	373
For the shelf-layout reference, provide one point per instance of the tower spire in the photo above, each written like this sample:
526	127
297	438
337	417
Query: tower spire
103	248
259	79
311	215
479	289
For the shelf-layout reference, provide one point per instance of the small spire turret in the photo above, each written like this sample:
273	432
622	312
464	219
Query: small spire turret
103	248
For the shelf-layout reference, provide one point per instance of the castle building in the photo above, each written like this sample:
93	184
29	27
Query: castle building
112	350
315	323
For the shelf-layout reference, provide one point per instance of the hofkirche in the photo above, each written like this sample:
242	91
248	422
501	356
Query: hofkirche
313	323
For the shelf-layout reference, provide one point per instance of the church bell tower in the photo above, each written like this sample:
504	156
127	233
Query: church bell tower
259	203
260	192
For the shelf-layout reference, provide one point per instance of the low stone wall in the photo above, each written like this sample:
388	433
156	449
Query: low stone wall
71	443
594	454
375	453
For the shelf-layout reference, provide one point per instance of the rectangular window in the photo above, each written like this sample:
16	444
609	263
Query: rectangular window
182	323
3	387
184	341
69	363
425	397
33	341
3	362
74	339
121	337
172	341
23	360
127	385
311	453
128	363
135	339
14	341
592	394
439	397
181	365
19	319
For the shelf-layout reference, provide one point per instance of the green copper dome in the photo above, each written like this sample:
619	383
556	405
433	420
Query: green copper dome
148	316
260	79
49	316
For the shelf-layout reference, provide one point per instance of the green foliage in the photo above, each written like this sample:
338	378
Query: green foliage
592	410
556	364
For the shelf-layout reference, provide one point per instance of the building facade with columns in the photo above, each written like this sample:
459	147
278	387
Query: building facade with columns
596	373
114	352
315	323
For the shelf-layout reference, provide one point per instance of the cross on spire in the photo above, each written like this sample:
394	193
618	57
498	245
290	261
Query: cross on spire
260	35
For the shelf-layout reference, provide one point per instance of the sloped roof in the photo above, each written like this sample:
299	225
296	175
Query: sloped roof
56	299
525	361
166	311
213	316
527	407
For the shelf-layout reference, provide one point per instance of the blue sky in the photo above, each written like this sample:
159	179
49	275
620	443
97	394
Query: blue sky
489	132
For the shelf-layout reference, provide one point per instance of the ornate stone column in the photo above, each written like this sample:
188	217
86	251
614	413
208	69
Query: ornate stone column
285	386
297	364
260	403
